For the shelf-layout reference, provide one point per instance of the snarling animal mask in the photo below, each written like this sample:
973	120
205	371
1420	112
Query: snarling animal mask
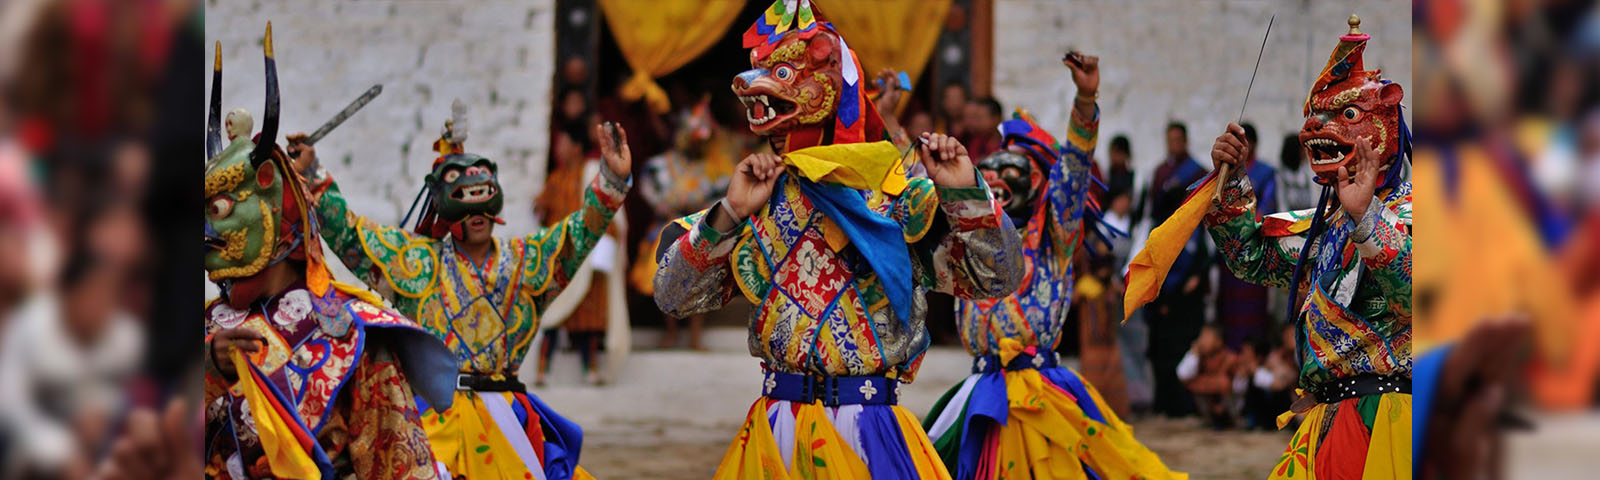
464	185
255	213
1348	103
1021	167
803	87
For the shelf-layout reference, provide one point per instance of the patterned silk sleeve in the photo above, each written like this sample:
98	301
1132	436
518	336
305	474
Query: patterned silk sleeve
1252	255
981	256
1069	182
1384	240
350	236
694	274
386	435
552	255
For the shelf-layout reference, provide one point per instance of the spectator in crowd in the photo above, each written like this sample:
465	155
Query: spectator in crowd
66	355
586	324
1207	371
918	122
1242	307
1133	336
1175	317
952	115
1268	376
1295	190
982	136
1120	178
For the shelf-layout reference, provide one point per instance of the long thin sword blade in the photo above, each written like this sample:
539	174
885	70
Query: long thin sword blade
1258	66
1222	172
343	115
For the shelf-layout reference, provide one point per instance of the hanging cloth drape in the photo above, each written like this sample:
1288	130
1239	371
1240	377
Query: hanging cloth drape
896	34
660	36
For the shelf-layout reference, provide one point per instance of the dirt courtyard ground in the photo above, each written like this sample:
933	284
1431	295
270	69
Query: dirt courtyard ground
671	414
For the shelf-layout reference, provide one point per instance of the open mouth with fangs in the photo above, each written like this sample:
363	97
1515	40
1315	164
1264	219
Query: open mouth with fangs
475	193
1326	151
762	109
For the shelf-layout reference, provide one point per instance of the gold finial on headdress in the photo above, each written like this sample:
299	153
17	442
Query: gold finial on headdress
269	39
1355	24
217	64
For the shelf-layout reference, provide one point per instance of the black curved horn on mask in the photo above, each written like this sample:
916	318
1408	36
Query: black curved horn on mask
214	118
269	122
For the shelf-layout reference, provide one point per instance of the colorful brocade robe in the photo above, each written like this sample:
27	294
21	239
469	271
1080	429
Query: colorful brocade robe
1356	318
348	369
487	314
820	307
1033	314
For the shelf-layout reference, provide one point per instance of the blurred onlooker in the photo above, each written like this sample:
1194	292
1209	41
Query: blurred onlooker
1100	361
1178	311
952	115
1120	178
65	357
1133	336
587	312
918	122
1268	375
1207	372
982	134
1295	188
691	176
1241	306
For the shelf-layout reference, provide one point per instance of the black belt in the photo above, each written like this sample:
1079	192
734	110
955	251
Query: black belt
1346	388
830	390
486	383
1023	361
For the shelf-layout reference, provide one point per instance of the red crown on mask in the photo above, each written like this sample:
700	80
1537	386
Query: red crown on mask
1344	63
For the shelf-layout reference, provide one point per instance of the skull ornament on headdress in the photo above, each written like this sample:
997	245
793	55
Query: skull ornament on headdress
804	85
460	184
1347	103
1021	166
255	204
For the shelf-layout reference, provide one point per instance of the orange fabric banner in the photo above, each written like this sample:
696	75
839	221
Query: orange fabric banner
1149	267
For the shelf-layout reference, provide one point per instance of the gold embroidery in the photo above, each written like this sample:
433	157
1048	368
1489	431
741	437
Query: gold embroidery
1340	99
1383	133
787	53
223	180
827	100
235	248
269	238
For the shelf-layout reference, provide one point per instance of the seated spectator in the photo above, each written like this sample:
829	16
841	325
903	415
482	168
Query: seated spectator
1266	377
1207	371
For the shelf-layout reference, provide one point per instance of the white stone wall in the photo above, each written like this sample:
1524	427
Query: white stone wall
1187	60
496	56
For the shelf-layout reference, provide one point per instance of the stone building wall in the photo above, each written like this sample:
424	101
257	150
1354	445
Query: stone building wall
496	56
1186	60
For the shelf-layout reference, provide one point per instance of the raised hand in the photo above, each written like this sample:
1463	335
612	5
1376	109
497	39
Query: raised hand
614	148
1355	188
752	183
302	154
1085	72
1229	149
890	94
947	161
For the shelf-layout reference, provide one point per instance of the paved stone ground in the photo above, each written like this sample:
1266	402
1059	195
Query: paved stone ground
672	413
